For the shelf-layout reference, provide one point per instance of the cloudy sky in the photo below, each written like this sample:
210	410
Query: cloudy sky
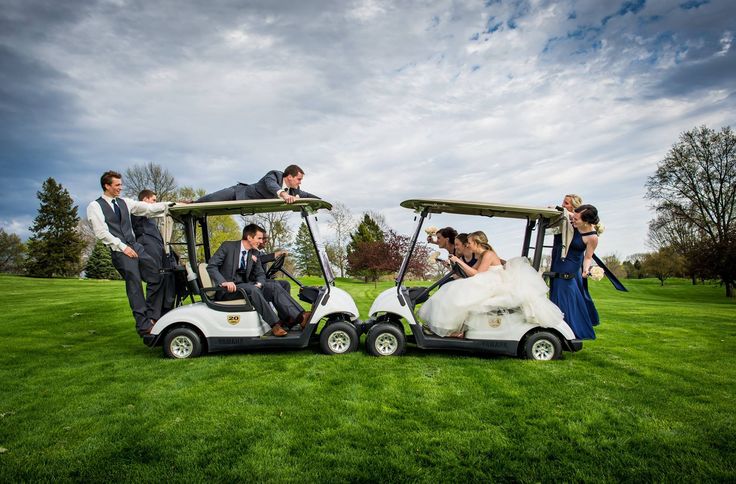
379	101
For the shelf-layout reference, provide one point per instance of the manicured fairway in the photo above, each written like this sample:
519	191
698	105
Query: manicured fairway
81	398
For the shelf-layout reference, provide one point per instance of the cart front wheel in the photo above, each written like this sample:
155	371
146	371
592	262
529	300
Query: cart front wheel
182	343
338	338
385	340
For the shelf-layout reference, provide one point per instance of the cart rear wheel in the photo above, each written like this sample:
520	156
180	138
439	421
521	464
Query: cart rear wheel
385	340
543	346
338	338
182	343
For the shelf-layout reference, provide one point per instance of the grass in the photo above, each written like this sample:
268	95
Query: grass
81	398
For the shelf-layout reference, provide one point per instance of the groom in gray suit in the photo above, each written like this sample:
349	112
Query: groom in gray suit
274	184
237	265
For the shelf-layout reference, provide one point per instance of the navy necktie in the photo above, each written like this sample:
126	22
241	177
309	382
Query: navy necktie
116	208
242	259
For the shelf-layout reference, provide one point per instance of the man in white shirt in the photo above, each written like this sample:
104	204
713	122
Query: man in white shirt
285	185
109	216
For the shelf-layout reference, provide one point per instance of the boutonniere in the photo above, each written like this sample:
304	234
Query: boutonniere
255	259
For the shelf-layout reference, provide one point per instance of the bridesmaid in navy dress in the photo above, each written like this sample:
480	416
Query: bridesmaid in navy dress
570	292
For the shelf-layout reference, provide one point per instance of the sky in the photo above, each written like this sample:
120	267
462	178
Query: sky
515	102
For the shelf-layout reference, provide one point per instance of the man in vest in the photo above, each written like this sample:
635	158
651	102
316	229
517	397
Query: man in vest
109	216
160	294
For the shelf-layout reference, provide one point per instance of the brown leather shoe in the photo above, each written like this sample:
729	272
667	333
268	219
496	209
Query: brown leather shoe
277	330
305	319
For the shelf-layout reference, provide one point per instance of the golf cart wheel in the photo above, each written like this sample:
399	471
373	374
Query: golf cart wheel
385	340
182	343
338	338
543	346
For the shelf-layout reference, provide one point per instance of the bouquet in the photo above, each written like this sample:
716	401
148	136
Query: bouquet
596	273
431	230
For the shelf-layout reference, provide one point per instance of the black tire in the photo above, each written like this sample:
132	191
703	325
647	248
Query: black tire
385	340
339	338
182	343
542	346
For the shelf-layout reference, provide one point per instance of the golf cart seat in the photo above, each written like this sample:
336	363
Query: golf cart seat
208	292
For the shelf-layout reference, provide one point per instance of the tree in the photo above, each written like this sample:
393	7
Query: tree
305	256
342	224
614	264
99	265
663	264
150	176
666	231
367	231
11	252
695	185
419	266
371	259
55	247
277	227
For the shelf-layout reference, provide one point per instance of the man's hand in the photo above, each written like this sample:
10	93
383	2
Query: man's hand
286	197
130	252
230	286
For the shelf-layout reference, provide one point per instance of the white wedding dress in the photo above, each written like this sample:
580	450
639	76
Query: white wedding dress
455	306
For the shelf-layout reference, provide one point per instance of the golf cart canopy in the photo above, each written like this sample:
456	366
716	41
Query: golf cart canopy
245	207
480	208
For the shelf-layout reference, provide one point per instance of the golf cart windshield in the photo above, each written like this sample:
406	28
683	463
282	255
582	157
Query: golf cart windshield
540	218
319	246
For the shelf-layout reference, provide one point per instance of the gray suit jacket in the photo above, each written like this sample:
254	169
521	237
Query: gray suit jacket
224	264
267	187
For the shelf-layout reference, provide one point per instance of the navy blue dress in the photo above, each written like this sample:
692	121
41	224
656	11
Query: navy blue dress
571	295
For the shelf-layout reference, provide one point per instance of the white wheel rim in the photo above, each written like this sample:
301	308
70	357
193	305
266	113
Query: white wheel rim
543	350
386	344
339	341
181	347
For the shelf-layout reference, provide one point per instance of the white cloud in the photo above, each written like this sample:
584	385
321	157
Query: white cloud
519	102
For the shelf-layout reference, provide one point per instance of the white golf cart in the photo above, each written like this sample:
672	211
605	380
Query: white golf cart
211	325
507	332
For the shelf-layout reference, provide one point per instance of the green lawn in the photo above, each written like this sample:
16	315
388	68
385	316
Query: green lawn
81	398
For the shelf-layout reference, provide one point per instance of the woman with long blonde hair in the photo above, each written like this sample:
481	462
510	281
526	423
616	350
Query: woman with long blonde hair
485	256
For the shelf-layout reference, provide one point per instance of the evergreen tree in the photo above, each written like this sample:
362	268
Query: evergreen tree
306	257
55	247
99	265
367	232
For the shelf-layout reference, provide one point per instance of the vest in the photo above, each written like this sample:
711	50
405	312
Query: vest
121	229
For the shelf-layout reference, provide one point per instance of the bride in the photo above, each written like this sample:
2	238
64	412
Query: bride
488	287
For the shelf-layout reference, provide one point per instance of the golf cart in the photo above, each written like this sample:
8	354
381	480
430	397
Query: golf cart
506	333
211	325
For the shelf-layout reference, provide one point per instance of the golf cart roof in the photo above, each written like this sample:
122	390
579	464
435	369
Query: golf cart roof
480	208
246	207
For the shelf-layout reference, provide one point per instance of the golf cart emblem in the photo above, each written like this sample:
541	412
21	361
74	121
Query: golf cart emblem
233	319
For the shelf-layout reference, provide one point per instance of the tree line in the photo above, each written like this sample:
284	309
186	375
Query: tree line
693	233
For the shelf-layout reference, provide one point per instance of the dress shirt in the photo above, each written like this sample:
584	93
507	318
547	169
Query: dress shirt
97	218
284	188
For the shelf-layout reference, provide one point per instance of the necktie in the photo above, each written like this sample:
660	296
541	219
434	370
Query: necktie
116	208
242	259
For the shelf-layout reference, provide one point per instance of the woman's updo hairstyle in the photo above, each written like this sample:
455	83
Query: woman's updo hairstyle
588	214
480	238
448	233
463	238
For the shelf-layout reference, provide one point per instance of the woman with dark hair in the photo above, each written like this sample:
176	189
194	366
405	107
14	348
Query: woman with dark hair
463	251
569	290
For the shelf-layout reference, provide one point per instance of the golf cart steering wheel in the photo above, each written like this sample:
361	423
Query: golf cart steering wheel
458	270
276	266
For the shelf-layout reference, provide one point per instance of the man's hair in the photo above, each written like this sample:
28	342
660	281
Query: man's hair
292	170
448	233
106	178
146	193
251	230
